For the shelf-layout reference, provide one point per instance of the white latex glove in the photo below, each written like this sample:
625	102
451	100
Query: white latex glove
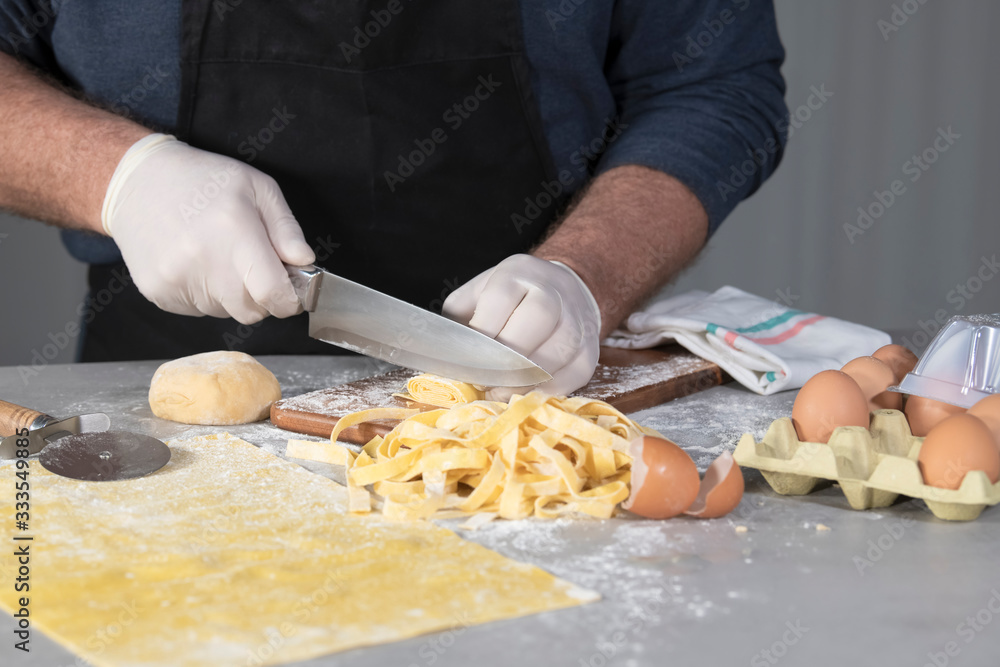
540	308
203	234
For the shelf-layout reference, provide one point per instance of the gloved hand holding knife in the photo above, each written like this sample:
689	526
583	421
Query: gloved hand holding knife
465	162
203	234
222	254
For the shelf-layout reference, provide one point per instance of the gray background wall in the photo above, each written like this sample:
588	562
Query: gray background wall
938	70
890	96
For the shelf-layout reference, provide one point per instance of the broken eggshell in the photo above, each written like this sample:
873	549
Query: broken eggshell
721	489
664	479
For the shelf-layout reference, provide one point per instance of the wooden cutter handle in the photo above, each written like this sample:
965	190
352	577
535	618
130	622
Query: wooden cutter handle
14	417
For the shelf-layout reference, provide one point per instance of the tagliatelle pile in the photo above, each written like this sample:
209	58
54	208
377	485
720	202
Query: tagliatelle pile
539	456
439	391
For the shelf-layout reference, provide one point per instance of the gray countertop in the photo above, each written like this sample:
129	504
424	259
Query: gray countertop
886	587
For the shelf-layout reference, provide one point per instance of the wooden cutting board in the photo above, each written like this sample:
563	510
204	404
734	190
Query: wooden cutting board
630	380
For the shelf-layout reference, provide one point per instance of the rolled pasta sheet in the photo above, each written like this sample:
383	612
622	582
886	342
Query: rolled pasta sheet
441	392
537	455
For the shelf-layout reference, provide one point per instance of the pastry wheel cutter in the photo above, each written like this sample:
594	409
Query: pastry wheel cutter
79	447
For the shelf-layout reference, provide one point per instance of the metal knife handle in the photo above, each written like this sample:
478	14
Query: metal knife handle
14	417
306	281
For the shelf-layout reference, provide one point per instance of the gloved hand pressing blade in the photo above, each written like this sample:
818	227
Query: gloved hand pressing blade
539	308
203	234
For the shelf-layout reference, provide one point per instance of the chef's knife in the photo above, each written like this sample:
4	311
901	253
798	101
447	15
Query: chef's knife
361	319
42	428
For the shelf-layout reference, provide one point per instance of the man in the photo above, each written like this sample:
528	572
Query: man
410	145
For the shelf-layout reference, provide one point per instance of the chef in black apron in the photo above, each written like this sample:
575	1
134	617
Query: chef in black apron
402	160
406	157
344	119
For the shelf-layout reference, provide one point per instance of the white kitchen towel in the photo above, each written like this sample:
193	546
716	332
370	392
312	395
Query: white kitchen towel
762	344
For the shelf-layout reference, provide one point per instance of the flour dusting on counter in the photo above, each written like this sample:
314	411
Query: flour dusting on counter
631	378
706	428
648	573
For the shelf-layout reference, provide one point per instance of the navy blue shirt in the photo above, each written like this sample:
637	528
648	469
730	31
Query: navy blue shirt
689	87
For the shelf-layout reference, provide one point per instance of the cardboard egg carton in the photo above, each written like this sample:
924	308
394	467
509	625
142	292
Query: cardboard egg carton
873	467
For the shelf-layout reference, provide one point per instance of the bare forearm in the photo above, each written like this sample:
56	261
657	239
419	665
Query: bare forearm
633	230
57	154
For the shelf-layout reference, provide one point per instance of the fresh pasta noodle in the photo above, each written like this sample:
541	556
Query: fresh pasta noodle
538	455
320	451
441	392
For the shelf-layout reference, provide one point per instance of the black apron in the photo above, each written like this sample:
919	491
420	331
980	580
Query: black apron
404	136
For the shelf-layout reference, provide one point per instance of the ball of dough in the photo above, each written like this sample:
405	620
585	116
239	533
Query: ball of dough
213	388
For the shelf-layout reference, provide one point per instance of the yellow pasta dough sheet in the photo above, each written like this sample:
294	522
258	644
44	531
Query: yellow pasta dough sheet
231	556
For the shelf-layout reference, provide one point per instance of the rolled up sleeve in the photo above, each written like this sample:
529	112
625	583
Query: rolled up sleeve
26	31
700	95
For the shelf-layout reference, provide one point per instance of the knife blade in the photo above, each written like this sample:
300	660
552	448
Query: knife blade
358	318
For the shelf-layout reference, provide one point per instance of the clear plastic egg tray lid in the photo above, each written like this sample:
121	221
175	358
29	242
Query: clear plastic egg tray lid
961	365
873	467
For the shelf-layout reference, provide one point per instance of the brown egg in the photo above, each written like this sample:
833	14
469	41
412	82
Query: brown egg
721	489
955	446
874	377
899	359
926	413
827	400
988	411
664	479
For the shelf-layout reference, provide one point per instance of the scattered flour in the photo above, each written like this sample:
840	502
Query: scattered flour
627	379
655	577
705	427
